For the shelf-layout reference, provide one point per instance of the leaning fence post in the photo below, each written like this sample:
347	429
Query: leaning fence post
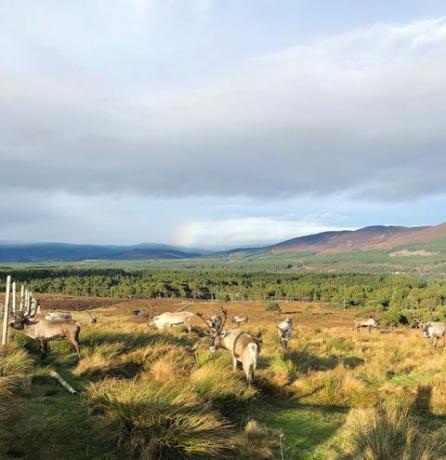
6	312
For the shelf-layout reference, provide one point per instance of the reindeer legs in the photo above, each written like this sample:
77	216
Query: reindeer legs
43	347
234	363
77	348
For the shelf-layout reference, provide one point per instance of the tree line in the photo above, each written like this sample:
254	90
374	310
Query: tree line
378	291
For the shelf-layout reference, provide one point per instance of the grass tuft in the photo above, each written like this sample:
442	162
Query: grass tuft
153	421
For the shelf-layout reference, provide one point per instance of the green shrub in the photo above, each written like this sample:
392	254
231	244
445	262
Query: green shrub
272	306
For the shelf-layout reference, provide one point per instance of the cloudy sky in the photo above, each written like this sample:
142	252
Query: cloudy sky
219	122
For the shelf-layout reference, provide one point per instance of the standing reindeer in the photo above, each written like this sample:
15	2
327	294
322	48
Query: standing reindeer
434	331
46	330
93	318
242	346
368	323
285	331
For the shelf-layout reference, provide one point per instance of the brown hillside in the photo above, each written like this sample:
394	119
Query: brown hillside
378	237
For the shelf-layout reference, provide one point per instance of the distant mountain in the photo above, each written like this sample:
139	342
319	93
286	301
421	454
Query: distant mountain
39	252
364	239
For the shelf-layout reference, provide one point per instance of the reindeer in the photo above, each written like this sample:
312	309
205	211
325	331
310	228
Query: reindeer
434	331
172	319
93	318
285	331
368	323
56	316
239	319
46	330
243	348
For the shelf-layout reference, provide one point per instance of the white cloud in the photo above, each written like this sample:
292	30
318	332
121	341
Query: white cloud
245	231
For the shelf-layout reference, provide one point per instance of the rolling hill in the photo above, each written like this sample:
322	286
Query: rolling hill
364	239
40	252
370	249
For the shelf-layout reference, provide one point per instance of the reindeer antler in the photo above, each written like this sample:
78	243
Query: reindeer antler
205	321
224	312
184	308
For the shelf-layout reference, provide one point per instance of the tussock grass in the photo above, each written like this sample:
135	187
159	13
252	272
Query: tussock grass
390	431
14	361
258	441
153	421
333	388
224	390
174	366
282	368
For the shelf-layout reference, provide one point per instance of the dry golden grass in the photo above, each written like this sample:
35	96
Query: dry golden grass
327	365
389	431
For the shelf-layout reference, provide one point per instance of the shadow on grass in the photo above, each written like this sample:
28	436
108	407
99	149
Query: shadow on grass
305	427
306	361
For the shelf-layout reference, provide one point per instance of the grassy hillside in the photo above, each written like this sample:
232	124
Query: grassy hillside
143	394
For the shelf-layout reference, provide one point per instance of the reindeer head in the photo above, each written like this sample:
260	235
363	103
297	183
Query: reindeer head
20	320
427	330
215	329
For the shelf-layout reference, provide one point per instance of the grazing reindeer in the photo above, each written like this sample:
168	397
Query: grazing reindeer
239	319
285	331
368	323
434	331
46	330
56	316
93	319
243	348
181	318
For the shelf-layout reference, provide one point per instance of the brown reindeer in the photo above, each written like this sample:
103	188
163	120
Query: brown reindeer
46	330
243	348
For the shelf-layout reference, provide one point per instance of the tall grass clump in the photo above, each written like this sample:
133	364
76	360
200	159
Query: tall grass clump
282	368
15	363
174	366
335	388
390	431
151	421
223	389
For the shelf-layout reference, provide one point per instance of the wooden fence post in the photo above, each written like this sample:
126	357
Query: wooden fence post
6	312
22	296
13	297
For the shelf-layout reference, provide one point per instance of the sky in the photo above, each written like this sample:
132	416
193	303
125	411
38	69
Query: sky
219	123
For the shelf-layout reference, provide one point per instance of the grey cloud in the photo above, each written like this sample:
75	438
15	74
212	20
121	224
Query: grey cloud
362	113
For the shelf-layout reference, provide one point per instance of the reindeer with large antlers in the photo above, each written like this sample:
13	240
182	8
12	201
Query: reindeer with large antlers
242	346
46	330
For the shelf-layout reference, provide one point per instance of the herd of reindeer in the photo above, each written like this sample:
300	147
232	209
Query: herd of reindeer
243	347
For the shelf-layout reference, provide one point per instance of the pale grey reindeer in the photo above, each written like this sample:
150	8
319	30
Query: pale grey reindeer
369	323
54	315
243	348
239	319
285	331
47	330
434	331
180	318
